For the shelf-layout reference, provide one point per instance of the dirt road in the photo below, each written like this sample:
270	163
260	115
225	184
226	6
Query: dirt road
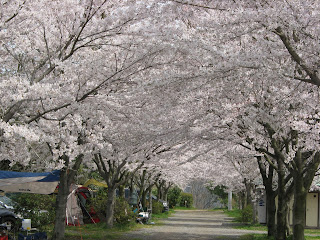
187	225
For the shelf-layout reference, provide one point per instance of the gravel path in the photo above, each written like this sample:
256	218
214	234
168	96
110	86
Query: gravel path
187	225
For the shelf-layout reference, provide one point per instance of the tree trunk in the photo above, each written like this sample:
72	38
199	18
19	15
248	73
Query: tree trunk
299	213
271	194
161	193
165	196
288	229
158	192
242	199
121	191
150	202
165	192
66	179
61	205
281	213
110	206
144	199
248	186
271	213
281	219
299	205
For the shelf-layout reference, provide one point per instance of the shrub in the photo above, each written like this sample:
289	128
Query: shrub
174	196
157	207
99	203
247	214
37	207
186	200
122	211
221	192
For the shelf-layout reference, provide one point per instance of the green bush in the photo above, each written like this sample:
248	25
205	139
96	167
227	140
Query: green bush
122	211
99	203
157	207
37	207
186	200
247	214
221	192
174	196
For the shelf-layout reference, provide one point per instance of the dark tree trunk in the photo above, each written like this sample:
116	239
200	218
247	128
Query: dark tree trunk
271	194
165	192
158	191
61	205
161	194
303	176
288	229
121	191
149	193
281	213
144	199
242	197
66	179
159	186
299	210
271	214
115	175
248	186
110	206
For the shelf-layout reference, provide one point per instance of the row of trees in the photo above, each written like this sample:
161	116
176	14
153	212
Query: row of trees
67	85
179	85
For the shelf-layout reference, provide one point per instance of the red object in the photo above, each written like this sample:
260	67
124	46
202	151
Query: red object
4	238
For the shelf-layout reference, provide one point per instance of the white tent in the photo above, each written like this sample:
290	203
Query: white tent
73	211
29	182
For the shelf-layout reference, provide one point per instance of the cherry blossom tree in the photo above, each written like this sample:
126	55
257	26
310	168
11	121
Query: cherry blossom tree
110	79
273	126
57	64
269	42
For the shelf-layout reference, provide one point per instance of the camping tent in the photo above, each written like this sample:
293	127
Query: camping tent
29	182
76	211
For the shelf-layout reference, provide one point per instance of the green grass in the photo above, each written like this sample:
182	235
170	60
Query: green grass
265	237
312	231
163	215
99	231
95	231
236	214
256	237
184	208
264	228
258	227
218	209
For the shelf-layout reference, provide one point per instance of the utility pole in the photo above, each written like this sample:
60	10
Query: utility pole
230	200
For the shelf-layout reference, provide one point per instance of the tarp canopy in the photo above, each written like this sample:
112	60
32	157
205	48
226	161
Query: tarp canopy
29	182
94	182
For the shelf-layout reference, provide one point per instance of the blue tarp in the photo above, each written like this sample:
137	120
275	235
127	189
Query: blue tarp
42	183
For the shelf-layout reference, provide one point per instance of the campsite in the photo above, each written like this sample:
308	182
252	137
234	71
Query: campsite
182	103
29	200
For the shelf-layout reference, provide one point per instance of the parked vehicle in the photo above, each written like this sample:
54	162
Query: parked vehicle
165	205
143	217
7	216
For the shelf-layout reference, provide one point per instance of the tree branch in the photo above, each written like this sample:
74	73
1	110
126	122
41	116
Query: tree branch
314	78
